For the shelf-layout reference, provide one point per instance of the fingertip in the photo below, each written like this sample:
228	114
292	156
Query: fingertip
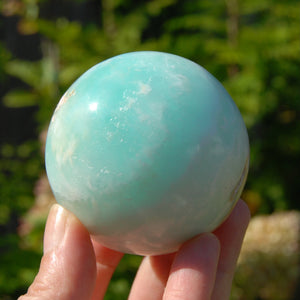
106	262
230	234
194	268
106	256
206	239
68	266
205	244
240	216
237	220
243	210
55	227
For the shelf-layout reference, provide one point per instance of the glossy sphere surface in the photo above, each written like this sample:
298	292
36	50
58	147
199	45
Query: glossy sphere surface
147	149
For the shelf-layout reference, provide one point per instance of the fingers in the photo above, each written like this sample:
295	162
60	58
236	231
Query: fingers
73	267
151	278
106	263
193	271
230	235
67	269
198	271
189	274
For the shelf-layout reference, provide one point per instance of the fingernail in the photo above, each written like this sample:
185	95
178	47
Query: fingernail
56	226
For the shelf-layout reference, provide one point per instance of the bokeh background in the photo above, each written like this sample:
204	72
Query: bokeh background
251	46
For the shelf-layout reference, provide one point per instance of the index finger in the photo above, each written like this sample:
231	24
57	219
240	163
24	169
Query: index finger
106	262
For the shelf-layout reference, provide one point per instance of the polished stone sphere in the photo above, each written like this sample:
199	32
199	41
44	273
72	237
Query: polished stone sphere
148	150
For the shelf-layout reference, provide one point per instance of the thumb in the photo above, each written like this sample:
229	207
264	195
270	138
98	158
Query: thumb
68	266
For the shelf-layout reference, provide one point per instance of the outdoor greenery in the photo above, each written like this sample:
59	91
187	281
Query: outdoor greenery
251	46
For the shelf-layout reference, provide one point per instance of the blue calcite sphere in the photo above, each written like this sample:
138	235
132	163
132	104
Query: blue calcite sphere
148	150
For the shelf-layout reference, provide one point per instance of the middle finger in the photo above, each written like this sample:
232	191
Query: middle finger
151	278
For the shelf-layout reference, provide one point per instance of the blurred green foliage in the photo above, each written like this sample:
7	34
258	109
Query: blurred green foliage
251	46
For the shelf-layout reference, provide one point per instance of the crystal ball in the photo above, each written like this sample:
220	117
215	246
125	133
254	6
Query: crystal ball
148	150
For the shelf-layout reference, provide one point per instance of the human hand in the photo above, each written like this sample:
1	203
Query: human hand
75	267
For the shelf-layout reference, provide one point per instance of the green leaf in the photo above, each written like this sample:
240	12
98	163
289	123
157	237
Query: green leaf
19	98
29	72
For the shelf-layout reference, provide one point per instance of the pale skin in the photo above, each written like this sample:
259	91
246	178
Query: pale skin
76	267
